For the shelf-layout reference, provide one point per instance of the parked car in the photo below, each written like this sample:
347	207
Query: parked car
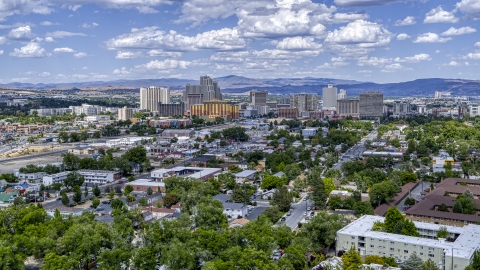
106	202
289	213
312	214
283	219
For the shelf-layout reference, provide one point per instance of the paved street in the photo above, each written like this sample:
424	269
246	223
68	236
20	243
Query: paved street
355	151
298	210
414	194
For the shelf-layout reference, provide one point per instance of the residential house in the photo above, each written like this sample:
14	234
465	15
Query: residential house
235	209
245	176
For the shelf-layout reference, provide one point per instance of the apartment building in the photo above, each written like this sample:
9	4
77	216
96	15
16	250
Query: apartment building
31	177
457	252
427	210
329	96
215	108
305	102
348	107
151	96
91	176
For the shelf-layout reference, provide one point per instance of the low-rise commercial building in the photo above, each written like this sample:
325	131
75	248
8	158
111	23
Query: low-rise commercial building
455	254
91	177
180	171
31	177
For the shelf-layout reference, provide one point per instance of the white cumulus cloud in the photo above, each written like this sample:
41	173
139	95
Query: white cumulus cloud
164	53
430	38
49	39
152	38
21	33
299	44
459	31
365	34
147	10
3	40
128	55
63	50
31	50
409	20
157	65
403	36
80	55
364	3
438	15
414	59
1	52
86	25
469	7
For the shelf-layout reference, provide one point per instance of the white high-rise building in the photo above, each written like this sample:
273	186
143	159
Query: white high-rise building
329	96
151	96
342	94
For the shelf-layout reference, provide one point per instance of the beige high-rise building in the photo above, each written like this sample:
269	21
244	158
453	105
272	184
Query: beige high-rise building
125	113
151	96
348	107
304	102
258	98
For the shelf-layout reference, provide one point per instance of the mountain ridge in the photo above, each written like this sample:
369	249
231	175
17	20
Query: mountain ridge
240	84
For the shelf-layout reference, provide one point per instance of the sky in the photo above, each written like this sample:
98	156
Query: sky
54	41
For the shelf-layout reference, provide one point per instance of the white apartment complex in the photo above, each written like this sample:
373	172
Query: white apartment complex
460	252
31	177
151	96
91	176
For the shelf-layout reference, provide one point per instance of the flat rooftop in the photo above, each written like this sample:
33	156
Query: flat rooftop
147	182
193	172
463	247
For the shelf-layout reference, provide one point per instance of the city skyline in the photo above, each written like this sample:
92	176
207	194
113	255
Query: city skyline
365	40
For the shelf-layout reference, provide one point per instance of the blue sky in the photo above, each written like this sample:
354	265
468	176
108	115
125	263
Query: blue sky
382	41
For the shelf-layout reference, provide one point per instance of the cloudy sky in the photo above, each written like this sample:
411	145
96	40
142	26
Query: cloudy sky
366	40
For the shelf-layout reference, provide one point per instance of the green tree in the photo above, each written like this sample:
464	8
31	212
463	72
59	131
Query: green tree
84	136
77	194
85	190
443	208
96	191
363	208
475	265
468	194
292	171
282	199
70	162
329	185
318	195
335	202
143	202
137	154
351	259
412	263
375	259
270	182
468	205
241	194
321	230
392	217
409	228
65	200
429	265
382	192
128	189
409	201
149	191
235	133
63	137
73	179
272	213
95	202
170	199
443	233
210	215
74	137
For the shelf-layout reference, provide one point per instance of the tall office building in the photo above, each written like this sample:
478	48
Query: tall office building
329	96
151	96
304	102
286	99
342	94
196	94
125	113
371	104
258	98
348	107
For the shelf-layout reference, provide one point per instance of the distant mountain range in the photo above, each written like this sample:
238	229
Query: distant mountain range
239	84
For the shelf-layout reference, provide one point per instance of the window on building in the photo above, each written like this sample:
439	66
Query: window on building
392	249
421	253
431	255
405	251
372	246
